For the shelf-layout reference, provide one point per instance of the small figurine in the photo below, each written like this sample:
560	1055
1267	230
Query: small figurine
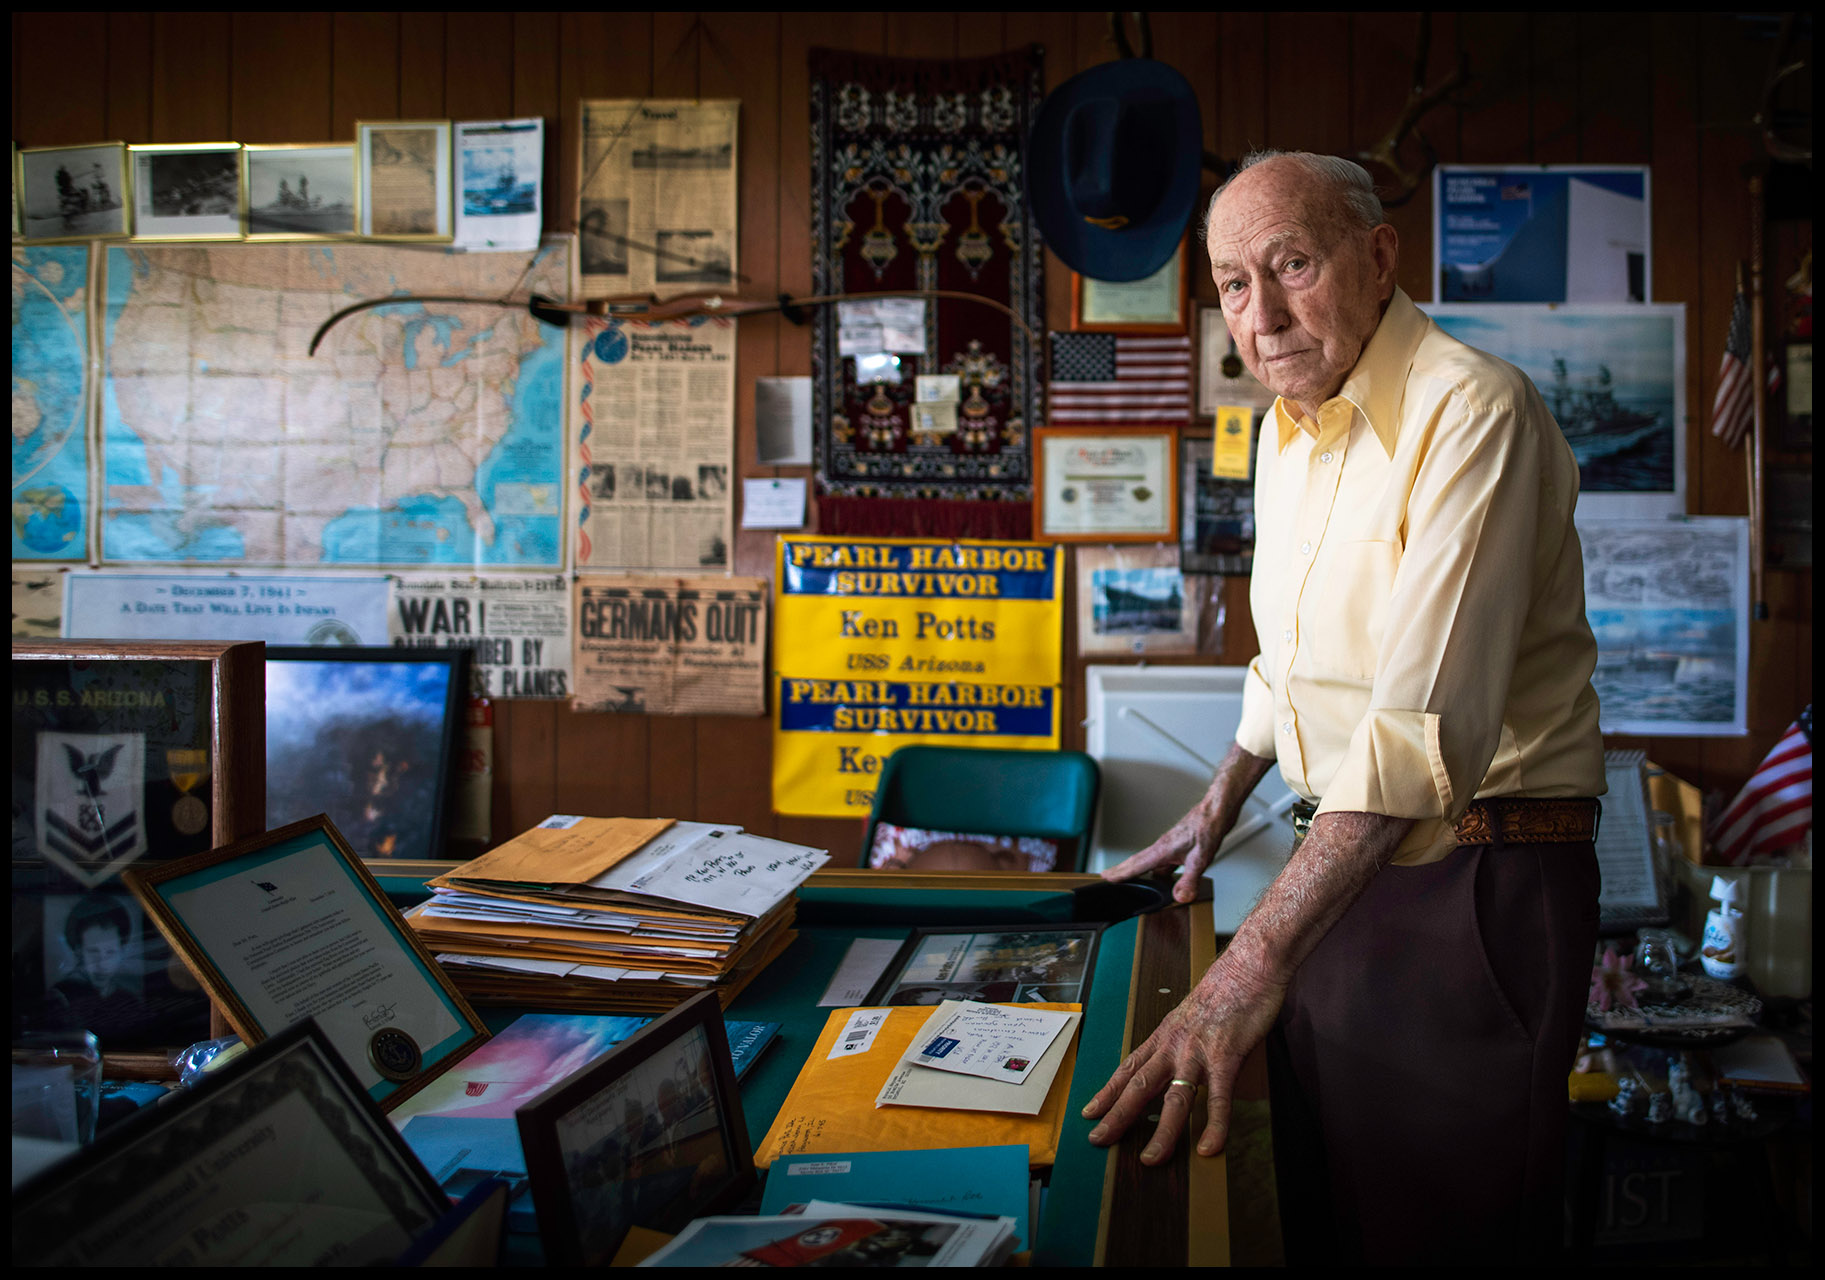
1740	1104
1628	1090
1660	1108
1688	1106
1720	1105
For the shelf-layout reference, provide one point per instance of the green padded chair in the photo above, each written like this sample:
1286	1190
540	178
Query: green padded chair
991	791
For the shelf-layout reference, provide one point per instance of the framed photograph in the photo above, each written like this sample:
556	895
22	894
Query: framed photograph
1222	377
650	1134
1216	514
405	190
187	191
278	1159
1542	233
1053	962
290	925
1160	303
74	193
1134	600
1614	378
122	752
1097	485
299	191
366	735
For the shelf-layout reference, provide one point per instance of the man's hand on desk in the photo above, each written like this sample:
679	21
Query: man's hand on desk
1193	841
1203	1041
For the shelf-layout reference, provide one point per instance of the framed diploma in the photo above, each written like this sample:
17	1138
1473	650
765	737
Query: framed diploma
290	925
405	189
650	1134
1160	303
1095	485
278	1159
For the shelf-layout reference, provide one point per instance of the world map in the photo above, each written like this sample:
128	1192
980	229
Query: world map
50	404
421	433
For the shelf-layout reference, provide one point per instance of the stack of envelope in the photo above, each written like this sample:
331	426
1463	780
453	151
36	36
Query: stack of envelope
615	915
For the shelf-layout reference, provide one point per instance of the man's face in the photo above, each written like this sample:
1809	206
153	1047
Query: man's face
1302	291
101	955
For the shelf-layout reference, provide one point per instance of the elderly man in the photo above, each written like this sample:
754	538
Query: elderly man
1419	967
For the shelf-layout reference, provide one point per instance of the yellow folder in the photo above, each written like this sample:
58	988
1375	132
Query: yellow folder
831	1106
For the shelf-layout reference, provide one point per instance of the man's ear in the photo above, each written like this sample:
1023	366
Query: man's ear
1384	252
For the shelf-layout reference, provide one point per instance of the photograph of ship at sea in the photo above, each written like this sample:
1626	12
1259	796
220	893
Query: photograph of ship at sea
1613	377
1669	604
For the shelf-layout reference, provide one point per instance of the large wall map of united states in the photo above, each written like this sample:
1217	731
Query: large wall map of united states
421	433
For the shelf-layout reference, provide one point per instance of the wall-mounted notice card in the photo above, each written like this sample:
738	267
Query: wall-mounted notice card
990	1040
773	503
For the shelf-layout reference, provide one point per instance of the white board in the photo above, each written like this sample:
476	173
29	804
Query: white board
1158	734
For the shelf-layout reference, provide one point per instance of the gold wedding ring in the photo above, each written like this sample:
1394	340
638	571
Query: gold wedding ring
1192	1083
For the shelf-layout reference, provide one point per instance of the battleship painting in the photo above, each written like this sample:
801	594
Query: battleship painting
1613	378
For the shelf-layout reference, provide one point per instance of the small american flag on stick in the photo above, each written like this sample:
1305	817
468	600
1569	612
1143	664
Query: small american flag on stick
1108	379
1733	410
1774	808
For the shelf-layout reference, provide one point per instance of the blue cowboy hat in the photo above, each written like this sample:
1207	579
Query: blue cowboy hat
1113	166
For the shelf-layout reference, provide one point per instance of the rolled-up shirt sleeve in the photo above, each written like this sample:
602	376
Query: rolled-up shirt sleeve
1255	733
1453	625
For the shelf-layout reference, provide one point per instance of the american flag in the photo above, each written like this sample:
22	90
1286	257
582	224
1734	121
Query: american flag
1774	808
1106	379
1733	410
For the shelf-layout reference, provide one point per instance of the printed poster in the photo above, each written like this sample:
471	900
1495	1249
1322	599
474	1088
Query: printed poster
654	438
517	630
1542	233
879	643
1669	604
671	646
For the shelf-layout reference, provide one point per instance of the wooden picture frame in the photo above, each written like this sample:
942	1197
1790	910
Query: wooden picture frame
1216	513
93	202
275	211
1101	484
409	155
252	922
1158	304
602	1119
215	1173
189	722
170	179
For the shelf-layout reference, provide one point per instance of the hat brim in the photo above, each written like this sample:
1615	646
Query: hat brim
1138	249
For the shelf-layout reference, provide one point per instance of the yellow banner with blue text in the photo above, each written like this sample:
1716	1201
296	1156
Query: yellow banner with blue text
881	642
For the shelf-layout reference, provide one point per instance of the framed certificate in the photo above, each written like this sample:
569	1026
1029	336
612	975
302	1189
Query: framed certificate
278	1159
1096	485
1159	303
290	925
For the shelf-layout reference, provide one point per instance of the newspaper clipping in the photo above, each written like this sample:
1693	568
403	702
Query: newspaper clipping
655	435
517	629
656	201
671	646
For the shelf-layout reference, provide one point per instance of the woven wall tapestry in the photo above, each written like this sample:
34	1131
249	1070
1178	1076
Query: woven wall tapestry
919	183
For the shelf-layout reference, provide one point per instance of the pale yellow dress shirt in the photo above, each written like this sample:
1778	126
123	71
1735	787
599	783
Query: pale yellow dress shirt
1418	592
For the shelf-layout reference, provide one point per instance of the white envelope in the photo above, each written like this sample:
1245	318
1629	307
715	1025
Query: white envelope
993	1041
911	1085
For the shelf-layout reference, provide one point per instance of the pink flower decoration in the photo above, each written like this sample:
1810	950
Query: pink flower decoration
1612	984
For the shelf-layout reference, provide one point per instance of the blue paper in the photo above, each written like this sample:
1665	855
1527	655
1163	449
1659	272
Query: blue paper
461	1152
973	1181
747	1040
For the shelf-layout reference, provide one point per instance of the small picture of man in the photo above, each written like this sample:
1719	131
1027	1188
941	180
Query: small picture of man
99	989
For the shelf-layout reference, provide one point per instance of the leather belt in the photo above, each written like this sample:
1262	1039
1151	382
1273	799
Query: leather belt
1516	819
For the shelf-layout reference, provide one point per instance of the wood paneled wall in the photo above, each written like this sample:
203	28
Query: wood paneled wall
1676	91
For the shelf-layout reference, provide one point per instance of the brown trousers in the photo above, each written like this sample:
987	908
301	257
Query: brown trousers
1418	1067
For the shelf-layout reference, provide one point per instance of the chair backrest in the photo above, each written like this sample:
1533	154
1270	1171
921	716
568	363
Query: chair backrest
990	791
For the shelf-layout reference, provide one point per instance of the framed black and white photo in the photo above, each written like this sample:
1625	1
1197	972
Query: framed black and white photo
300	191
650	1134
1216	514
278	1159
290	925
186	191
74	193
405	189
1047	963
